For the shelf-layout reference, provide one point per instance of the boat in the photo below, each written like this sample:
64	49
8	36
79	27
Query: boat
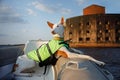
65	68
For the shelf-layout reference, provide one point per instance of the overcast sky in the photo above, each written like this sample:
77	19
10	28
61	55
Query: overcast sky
23	20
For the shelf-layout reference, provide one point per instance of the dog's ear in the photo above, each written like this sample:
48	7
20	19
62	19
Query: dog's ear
50	24
62	20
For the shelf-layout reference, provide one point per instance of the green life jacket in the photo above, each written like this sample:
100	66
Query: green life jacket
43	51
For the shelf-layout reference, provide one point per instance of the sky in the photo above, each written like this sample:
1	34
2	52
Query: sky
23	20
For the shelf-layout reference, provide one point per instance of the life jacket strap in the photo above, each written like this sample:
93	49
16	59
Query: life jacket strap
39	57
48	47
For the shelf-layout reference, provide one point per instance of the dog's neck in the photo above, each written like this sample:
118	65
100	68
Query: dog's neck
58	38
58	35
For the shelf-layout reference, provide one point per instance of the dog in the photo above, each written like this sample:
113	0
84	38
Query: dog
57	31
50	53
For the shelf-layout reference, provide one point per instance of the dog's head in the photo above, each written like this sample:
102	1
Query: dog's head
57	29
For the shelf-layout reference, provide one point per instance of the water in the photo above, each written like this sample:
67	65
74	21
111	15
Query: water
111	56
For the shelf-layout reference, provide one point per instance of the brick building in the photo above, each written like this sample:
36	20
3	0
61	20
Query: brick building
94	9
94	28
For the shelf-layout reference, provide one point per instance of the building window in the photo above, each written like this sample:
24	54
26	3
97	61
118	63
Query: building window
80	39
79	24
106	38
117	30
79	31
106	31
107	22
99	23
70	33
87	39
98	38
117	22
118	39
87	31
87	23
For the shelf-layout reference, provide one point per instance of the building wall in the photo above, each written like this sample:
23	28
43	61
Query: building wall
93	30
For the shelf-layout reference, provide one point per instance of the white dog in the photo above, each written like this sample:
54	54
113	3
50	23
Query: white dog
58	32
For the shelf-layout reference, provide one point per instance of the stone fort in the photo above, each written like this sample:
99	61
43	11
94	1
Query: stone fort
94	28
